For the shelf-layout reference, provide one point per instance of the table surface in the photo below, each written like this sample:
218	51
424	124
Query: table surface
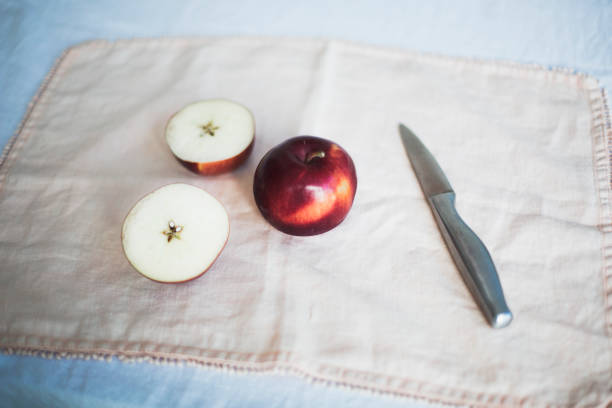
571	34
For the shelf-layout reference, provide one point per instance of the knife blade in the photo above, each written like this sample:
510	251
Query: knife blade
467	250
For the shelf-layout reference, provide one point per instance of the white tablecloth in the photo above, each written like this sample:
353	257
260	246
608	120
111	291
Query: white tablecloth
570	34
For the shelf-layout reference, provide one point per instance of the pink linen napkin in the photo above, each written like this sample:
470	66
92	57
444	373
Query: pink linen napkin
375	303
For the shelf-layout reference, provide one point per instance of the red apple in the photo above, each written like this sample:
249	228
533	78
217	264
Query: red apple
211	136
305	185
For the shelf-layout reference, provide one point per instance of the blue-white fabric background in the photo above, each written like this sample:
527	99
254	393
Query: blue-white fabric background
572	34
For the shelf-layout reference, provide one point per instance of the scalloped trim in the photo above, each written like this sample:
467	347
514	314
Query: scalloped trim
11	148
361	382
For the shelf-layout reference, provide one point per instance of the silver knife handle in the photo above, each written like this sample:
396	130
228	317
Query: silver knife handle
472	259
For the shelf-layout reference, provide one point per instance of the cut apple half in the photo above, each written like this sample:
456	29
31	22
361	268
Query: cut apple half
175	233
211	136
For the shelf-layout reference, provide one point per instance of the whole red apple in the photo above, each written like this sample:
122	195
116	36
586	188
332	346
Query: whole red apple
305	185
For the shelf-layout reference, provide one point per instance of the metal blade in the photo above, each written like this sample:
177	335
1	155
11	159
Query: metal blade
428	172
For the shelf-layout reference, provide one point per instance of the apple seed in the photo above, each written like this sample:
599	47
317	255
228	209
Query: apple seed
173	231
210	128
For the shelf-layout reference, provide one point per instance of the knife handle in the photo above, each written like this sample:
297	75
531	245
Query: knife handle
473	261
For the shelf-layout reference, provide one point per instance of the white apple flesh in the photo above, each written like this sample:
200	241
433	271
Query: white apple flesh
175	233
211	136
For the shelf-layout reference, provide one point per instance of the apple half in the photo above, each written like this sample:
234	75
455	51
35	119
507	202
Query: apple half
211	136
175	233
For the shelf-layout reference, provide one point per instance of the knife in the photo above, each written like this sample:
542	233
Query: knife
467	250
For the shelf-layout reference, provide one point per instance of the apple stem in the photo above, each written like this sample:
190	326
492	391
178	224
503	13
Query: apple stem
310	156
210	128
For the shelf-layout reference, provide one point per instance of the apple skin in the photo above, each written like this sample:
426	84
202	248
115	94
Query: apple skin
301	193
218	167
